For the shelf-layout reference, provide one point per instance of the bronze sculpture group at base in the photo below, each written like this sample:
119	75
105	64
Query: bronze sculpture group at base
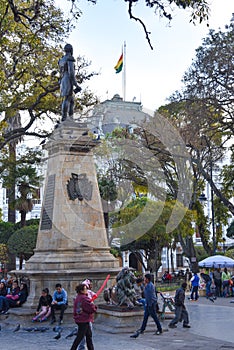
123	293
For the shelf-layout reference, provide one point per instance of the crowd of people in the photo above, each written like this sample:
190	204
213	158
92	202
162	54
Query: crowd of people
12	294
216	282
83	310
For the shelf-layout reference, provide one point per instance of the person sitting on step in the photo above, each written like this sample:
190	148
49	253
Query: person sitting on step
44	306
59	302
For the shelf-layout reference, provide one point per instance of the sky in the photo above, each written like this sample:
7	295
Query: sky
151	75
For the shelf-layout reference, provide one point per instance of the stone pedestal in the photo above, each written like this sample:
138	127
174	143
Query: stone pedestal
72	242
117	320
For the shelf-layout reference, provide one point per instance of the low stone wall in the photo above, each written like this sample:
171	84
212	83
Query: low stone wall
24	315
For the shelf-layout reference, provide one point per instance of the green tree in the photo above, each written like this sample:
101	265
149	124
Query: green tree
230	230
23	242
3	257
149	233
108	193
6	230
25	177
29	12
209	81
204	108
230	253
30	42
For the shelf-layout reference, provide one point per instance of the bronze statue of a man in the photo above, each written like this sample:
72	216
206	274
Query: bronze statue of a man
67	81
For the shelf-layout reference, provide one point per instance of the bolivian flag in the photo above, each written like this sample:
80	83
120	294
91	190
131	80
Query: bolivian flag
119	65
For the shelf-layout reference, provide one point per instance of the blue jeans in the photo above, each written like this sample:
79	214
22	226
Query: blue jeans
208	284
150	311
226	288
4	304
194	293
142	301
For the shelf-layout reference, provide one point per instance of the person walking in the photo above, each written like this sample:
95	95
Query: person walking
208	280
181	313
217	282
187	277
195	284
90	294
150	308
226	276
83	311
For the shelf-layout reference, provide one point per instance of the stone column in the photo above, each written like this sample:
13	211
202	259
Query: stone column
72	242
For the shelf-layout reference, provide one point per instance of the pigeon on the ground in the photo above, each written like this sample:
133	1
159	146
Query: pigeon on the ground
17	328
57	329
135	335
41	329
74	332
58	336
29	329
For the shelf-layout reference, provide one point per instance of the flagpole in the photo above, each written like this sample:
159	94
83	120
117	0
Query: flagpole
124	72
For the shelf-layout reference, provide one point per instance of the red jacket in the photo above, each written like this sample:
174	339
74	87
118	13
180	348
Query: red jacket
83	309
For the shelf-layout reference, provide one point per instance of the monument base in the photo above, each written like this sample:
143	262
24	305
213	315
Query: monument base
69	268
72	243
115	319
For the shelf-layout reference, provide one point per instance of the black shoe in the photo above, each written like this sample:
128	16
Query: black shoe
53	321
172	326
158	332
186	326
60	322
4	312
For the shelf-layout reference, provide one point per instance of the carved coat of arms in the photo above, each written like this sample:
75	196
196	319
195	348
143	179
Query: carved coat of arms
78	186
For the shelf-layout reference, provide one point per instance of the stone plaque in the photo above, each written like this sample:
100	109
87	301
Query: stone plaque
47	209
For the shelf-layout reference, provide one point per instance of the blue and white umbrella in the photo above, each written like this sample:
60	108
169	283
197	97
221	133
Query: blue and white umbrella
217	261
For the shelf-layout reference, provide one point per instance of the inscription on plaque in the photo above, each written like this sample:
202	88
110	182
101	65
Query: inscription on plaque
47	210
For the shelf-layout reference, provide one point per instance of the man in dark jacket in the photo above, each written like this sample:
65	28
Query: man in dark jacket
181	314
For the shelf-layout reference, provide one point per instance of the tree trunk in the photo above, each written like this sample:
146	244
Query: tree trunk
11	191
11	263
23	218
21	261
172	260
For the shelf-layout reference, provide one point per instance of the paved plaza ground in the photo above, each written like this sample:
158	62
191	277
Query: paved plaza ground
212	328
